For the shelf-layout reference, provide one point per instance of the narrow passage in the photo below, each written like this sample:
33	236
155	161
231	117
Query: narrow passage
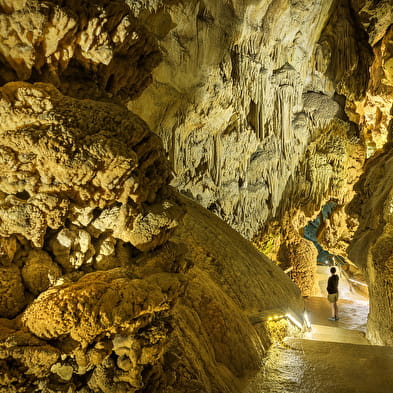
334	357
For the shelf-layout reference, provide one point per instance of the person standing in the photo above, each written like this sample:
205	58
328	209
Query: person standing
332	289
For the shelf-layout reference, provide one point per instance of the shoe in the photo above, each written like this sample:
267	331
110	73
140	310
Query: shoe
336	318
332	318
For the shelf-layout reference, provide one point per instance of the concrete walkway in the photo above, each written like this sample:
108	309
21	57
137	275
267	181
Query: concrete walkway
308	366
334	357
350	328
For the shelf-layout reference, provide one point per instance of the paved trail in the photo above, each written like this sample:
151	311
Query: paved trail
335	357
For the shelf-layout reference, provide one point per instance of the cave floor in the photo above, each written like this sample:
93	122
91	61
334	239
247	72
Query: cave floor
309	366
350	328
334	357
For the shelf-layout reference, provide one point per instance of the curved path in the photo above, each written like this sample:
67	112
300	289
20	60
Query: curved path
334	357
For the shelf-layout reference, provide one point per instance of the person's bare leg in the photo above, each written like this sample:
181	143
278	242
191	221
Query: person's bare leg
335	309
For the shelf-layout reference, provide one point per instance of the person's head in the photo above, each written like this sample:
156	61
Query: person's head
332	270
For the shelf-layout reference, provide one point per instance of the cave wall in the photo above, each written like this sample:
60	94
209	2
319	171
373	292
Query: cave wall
360	229
265	110
252	103
109	279
244	90
371	247
274	114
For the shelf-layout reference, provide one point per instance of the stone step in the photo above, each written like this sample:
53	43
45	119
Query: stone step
336	334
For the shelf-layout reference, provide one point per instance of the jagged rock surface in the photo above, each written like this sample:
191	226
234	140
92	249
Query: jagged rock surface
281	117
363	225
372	245
83	186
86	49
238	99
94	296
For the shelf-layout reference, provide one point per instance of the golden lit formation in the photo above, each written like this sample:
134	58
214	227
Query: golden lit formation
178	178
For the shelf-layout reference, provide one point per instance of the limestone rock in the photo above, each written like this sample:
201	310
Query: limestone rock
76	171
72	313
63	371
34	355
72	248
249	103
106	254
67	165
7	250
148	229
373	113
19	217
103	305
226	268
47	171
40	272
67	43
238	98
303	254
371	247
12	297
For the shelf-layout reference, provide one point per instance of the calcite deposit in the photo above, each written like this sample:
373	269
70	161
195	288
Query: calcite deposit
260	111
372	244
244	89
269	109
88	48
95	296
83	187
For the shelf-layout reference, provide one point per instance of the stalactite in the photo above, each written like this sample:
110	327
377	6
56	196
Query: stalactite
260	84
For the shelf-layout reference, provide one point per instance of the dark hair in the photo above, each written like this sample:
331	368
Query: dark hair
332	270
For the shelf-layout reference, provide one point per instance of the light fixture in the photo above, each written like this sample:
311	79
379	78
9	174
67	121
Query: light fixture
294	320
308	324
358	282
289	316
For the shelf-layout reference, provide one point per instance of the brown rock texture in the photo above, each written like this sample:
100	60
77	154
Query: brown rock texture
363	224
371	246
227	269
110	281
247	92
303	254
102	287
86	48
83	185
55	162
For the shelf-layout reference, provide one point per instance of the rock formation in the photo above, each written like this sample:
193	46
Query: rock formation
241	102
261	111
103	286
87	49
371	247
273	114
93	292
362	225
